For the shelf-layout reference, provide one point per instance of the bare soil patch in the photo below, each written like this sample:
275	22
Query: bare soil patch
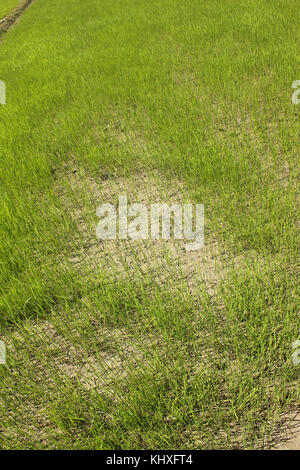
288	437
82	194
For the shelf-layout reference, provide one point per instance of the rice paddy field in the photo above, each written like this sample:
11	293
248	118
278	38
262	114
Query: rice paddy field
140	344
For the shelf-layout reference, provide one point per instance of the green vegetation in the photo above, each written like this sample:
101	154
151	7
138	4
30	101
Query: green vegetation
123	355
6	6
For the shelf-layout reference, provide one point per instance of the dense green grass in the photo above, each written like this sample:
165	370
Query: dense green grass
6	6
202	91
